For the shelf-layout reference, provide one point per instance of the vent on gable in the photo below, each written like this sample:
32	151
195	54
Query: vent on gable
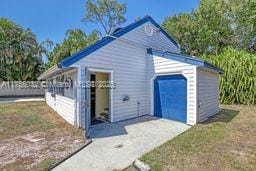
149	30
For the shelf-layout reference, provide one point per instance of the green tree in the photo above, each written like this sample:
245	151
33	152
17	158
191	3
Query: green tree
216	24
109	13
20	53
75	40
182	28
246	24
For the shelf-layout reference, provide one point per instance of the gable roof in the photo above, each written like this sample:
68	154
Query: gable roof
186	59
105	40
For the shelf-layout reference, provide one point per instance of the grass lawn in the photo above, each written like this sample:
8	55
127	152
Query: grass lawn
225	142
33	136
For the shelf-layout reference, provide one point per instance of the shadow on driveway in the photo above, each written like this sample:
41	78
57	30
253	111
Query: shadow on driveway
116	128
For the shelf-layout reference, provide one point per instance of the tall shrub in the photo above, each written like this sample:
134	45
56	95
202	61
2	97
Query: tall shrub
238	84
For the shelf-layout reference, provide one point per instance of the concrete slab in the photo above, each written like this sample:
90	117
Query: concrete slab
117	145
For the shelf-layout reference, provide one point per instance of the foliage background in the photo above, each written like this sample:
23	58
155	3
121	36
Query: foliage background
20	53
238	84
222	32
215	25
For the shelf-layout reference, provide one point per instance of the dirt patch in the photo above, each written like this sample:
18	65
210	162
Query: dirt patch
27	149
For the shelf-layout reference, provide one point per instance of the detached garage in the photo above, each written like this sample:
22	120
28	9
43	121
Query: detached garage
183	88
149	74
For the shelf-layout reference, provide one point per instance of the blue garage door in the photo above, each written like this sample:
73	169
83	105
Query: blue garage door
170	97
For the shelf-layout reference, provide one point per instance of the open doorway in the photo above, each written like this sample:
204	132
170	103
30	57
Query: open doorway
100	98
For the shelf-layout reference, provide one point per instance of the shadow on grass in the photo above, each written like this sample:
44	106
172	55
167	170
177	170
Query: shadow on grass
225	115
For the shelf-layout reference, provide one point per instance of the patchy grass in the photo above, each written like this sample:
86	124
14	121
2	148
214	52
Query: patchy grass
20	118
225	142
45	164
33	136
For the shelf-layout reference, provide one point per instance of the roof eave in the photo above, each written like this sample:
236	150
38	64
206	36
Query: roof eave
47	72
213	67
55	70
186	59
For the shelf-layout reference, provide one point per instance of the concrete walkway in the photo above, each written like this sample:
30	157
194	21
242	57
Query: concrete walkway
19	99
117	145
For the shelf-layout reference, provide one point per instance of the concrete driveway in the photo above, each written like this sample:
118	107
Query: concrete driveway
117	145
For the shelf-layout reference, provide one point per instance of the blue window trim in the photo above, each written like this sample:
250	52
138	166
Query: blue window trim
105	40
186	59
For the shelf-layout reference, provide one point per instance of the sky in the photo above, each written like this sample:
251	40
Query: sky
50	19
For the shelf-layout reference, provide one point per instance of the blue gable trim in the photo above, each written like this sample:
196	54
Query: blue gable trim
186	59
88	50
104	41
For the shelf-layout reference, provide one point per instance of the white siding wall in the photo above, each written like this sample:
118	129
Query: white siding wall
65	105
49	99
208	93
71	92
164	66
128	61
66	108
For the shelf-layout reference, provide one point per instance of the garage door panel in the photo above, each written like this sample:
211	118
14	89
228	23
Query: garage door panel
170	97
